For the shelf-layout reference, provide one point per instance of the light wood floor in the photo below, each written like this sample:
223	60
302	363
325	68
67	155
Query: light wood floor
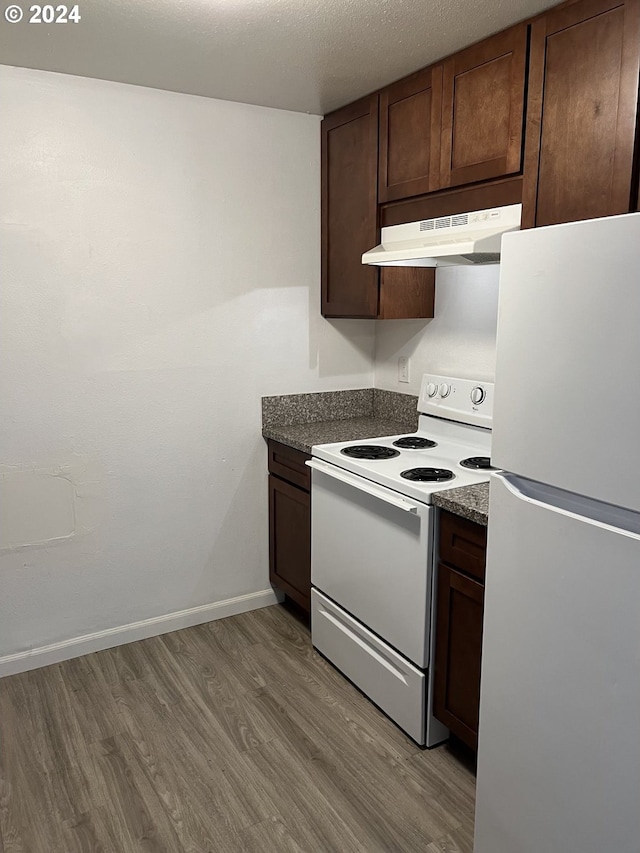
231	736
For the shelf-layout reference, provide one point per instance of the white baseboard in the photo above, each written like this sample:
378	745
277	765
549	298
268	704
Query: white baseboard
77	646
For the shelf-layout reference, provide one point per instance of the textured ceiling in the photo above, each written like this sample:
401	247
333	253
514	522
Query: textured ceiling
302	55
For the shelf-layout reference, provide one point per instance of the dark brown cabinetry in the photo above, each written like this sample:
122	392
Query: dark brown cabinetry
449	139
410	112
483	109
290	523
455	123
349	226
459	614
349	210
581	119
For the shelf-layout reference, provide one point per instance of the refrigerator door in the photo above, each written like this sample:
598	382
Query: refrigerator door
567	397
558	746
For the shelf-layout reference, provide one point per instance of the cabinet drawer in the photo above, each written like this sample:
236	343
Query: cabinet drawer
287	463
463	544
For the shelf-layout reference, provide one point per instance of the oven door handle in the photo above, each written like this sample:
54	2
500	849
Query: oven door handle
362	485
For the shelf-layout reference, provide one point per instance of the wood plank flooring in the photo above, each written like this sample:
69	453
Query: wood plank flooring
229	737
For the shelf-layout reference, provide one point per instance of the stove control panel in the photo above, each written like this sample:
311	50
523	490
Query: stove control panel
468	401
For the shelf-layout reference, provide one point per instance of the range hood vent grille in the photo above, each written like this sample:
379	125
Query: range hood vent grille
444	222
457	240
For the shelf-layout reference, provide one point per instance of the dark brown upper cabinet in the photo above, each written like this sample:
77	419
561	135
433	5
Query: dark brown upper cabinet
349	226
449	139
410	113
581	120
349	209
483	109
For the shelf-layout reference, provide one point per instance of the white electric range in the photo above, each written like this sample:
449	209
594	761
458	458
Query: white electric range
373	570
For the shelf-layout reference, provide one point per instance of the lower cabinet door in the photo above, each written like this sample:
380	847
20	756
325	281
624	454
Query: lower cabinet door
458	653
290	540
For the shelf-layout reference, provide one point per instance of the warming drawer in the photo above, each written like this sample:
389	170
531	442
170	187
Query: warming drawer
389	680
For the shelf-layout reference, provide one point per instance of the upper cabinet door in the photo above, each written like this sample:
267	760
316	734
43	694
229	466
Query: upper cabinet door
583	92
483	109
410	135
349	209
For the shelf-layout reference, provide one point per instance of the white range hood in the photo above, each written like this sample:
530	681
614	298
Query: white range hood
458	240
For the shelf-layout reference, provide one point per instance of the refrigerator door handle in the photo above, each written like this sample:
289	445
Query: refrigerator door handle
595	513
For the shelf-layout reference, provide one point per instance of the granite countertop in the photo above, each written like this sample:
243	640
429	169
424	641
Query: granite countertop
304	436
470	502
302	420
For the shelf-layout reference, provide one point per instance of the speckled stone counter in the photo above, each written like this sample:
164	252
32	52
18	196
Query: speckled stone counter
302	420
304	436
471	502
288	409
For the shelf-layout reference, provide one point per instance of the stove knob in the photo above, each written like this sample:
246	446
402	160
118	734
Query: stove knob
432	389
477	395
445	389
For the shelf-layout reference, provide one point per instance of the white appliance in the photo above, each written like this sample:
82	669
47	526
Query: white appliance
559	739
458	240
372	537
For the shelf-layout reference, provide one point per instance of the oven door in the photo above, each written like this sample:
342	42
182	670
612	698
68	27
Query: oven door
371	553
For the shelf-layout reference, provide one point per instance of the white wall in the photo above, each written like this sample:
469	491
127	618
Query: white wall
160	272
459	341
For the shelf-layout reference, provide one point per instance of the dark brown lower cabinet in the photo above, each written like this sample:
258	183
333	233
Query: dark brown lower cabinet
459	616
290	523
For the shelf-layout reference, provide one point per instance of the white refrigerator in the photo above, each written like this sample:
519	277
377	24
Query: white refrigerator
559	735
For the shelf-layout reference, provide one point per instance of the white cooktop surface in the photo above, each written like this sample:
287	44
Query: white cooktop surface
454	442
